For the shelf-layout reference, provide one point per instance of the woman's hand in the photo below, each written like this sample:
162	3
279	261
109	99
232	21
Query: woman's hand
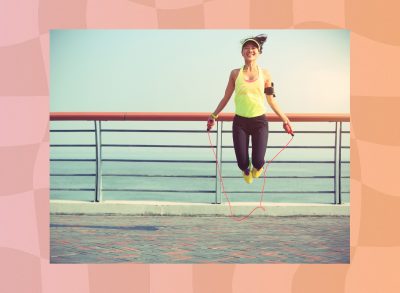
211	121
288	128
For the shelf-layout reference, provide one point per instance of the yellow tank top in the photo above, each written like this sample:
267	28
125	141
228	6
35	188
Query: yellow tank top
249	95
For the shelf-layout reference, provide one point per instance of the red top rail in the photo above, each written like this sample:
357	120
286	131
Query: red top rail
188	116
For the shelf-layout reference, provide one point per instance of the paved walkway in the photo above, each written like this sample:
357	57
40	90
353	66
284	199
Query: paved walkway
177	239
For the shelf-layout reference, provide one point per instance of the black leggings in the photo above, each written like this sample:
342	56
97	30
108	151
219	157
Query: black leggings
242	129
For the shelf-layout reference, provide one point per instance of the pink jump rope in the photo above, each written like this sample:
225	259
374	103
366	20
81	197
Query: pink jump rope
210	124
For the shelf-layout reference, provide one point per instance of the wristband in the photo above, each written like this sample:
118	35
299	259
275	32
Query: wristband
213	116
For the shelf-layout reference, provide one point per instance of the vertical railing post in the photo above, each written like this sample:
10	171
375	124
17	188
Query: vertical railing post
216	167
335	165
218	152
220	143
98	184
340	164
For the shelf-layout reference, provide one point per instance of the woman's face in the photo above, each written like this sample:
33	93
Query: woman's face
250	51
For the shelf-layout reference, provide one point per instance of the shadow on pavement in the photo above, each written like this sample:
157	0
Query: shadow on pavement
129	228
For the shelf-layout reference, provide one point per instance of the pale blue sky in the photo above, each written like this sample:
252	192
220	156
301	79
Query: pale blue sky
187	70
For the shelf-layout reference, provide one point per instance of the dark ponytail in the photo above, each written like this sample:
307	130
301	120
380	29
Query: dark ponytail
261	39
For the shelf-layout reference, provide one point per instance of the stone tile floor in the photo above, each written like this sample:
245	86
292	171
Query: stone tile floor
178	239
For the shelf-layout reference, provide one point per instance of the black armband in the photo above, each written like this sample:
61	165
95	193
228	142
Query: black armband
270	90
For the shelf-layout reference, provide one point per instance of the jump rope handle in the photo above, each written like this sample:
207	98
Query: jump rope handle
288	129
211	122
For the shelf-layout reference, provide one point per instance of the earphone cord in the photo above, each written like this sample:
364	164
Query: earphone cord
233	217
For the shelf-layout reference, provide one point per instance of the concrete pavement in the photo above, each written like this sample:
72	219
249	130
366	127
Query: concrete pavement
100	238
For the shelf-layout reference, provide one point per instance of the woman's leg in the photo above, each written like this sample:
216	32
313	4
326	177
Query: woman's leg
259	140
240	143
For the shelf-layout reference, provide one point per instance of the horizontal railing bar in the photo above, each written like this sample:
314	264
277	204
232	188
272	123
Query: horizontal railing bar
307	162
345	177
188	191
58	174
196	131
161	190
179	161
345	147
205	161
177	131
183	161
289	147
305	131
72	145
156	145
194	176
160	176
72	130
73	160
289	177
285	191
345	162
182	146
72	189
186	146
190	116
156	161
155	130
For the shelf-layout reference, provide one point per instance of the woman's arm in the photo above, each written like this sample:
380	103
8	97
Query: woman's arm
274	105
228	93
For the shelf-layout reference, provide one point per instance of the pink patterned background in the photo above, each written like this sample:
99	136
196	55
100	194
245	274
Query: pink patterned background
24	145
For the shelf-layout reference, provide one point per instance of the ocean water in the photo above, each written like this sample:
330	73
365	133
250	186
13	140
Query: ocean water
166	187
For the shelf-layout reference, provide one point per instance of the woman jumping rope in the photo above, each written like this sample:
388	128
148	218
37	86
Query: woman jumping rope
251	84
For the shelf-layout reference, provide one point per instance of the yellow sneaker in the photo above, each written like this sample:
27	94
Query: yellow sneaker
247	176
256	173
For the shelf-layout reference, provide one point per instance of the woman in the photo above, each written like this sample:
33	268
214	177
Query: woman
251	84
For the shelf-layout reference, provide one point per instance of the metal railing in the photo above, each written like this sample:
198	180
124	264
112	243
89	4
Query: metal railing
99	131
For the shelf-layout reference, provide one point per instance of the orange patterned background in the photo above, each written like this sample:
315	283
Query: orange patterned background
24	145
